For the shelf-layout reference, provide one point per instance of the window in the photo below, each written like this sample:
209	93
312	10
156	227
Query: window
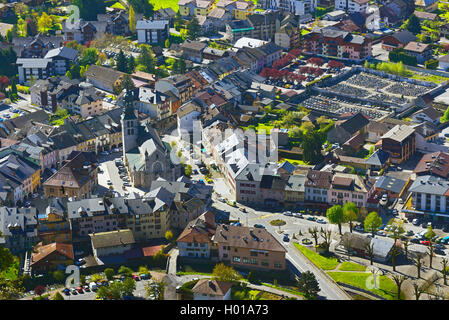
277	264
265	263
245	260
236	259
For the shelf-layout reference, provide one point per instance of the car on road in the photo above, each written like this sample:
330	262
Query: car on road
288	213
178	288
285	238
144	276
440	252
381	233
359	228
306	241
297	214
425	242
394	212
439	246
415	222
80	262
126	184
116	150
311	218
201	181
104	153
243	209
382	227
195	171
321	220
258	225
400	201
136	278
414	240
238	224
204	170
221	199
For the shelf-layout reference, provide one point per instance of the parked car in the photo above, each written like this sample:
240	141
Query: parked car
285	238
414	240
73	291
178	288
109	182
258	225
104	153
425	242
242	209
93	286
288	213
135	277
66	291
382	227
359	228
400	201
86	288
321	220
144	276
311	218
297	215
381	233
415	222
410	233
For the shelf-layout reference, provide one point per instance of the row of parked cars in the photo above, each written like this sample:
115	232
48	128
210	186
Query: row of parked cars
301	216
93	286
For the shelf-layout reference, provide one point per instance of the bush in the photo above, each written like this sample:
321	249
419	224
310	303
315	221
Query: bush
399	55
431	64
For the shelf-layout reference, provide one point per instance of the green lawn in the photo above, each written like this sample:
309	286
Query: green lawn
351	266
387	287
294	161
429	78
320	261
284	289
158	4
262	126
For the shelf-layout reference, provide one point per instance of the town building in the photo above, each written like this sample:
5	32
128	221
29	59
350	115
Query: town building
399	142
18	227
152	31
206	289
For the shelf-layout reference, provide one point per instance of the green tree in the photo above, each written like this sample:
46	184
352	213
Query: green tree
146	60
109	273
57	296
193	29
167	43
126	271
10	289
308	284
311	146
89	9
413	25
445	116
155	290
372	222
122	62
350	212
142	6
88	57
59	276
444	270
128	287
188	170
132	19
222	272
131	65
169	235
369	248
430	233
335	216
44	23
314	234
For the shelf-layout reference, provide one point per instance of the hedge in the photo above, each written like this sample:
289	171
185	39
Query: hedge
399	55
431	64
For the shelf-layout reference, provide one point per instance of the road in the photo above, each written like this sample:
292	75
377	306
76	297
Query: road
329	290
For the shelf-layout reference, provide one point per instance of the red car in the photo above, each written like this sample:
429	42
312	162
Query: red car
136	278
80	290
425	242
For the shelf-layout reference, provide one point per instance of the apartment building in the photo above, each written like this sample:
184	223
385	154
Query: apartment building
331	41
399	142
352	6
348	188
248	247
152	31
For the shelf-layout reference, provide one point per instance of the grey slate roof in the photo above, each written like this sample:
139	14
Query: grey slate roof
390	184
430	185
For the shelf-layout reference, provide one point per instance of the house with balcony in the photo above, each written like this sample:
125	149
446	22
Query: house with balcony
53	224
348	188
399	142
18	227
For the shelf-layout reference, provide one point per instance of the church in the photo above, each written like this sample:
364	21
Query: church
145	155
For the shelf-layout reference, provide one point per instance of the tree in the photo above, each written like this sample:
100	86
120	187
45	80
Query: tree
167	43
193	29
252	277
126	271
372	222
89	9
399	280
221	272
394	253
44	22
131	65
39	290
314	234
88	57
57	296
430	252
146	60
142	6
10	290
444	270
132	19
335	216
311	145
347	243
109	273
417	261
6	258
369	248
59	276
430	233
417	291
128	287
413	25
155	290
406	244
122	62
350	212
308	284
169	235
188	170
327	238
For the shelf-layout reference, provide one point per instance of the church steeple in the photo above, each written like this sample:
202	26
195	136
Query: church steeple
130	123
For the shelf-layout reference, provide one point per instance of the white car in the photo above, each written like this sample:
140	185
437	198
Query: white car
288	213
384	197
109	182
400	201
104	153
321	220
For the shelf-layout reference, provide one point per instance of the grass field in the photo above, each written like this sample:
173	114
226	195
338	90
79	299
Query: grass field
351	266
387	287
262	126
320	261
159	4
429	78
294	161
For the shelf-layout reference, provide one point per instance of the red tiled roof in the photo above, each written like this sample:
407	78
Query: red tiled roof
151	251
